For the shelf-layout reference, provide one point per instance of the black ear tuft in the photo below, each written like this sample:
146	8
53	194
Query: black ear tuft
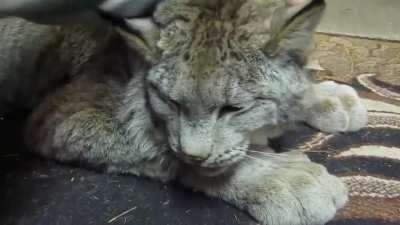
142	35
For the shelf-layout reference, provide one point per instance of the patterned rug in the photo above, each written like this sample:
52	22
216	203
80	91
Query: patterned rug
368	161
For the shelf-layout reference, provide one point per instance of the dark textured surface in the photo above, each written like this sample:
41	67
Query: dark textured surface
36	192
39	192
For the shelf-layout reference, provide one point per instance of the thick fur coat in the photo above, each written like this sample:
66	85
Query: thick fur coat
190	94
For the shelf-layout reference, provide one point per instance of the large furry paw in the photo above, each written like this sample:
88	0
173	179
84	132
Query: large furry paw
335	107
301	193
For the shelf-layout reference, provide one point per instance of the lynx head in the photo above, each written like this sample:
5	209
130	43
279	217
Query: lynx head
223	69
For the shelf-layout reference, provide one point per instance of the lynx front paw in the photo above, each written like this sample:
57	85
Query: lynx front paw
302	194
335	108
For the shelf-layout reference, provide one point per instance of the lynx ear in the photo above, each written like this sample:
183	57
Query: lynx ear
142	35
293	27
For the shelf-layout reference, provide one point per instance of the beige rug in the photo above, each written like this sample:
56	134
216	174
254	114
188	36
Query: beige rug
369	160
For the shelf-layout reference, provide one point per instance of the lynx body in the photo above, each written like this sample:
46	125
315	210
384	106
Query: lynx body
182	97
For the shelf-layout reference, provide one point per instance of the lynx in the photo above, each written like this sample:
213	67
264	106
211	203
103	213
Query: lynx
190	94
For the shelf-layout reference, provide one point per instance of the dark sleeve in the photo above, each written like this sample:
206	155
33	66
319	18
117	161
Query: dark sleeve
60	11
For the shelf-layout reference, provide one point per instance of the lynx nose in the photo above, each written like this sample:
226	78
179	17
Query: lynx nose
196	140
195	155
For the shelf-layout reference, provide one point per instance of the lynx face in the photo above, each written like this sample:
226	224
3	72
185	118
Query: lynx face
226	69
209	115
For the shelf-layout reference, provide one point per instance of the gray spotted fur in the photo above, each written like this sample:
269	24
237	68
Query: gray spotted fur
189	110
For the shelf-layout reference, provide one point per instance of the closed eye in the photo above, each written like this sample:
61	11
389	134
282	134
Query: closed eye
264	98
162	97
229	109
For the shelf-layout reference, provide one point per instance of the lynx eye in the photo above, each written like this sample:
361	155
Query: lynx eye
172	103
229	109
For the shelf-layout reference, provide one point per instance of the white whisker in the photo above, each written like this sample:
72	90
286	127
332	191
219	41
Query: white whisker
275	159
280	156
268	153
260	161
